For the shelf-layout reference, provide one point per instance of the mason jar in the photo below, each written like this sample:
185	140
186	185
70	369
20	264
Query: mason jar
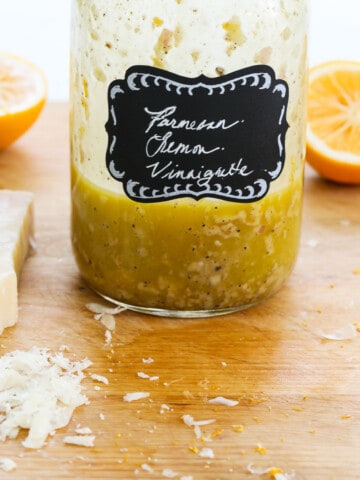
187	150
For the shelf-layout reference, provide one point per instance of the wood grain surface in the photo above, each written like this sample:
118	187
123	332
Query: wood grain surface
298	387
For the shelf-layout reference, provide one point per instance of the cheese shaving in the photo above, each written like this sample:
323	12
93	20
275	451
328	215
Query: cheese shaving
147	468
7	465
147	377
108	321
108	337
38	392
206	453
148	360
130	397
80	440
98	308
83	431
190	422
275	472
164	408
100	378
223	401
168	473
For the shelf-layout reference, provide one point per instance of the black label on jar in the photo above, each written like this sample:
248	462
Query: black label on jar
170	136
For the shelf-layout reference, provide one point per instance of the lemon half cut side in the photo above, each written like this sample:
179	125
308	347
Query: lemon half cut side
333	127
23	90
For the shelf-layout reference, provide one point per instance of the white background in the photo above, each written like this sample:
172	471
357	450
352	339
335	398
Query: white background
39	30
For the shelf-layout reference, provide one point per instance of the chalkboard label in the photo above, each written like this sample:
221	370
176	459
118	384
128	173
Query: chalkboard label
171	136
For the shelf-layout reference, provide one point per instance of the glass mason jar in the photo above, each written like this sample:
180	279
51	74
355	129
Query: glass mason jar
187	150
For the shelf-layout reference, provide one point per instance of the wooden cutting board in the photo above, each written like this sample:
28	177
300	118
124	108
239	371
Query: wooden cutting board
292	363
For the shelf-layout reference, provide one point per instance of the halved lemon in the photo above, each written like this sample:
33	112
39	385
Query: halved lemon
333	128
22	96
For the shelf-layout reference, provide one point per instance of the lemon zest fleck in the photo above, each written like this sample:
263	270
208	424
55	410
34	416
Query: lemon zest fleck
260	449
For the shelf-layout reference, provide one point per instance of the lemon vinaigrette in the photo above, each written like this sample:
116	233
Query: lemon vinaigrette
187	150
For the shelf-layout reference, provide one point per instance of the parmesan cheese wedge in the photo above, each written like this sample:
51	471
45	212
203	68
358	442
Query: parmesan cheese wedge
16	231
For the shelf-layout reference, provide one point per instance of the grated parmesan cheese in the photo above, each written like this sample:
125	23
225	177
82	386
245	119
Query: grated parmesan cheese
38	392
148	377
164	407
101	309
275	472
80	440
147	468
223	401
108	321
7	465
130	397
206	453
108	337
168	473
190	422
100	378
148	360
83	431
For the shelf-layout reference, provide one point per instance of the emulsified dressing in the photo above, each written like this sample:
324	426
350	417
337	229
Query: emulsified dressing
184	255
198	254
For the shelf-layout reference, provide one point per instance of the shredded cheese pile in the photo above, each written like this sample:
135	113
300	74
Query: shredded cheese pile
38	392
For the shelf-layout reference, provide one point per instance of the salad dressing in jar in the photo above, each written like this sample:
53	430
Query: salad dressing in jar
187	150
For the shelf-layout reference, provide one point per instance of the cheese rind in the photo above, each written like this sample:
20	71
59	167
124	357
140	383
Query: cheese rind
16	234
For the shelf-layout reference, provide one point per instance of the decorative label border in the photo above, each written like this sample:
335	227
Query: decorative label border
171	136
